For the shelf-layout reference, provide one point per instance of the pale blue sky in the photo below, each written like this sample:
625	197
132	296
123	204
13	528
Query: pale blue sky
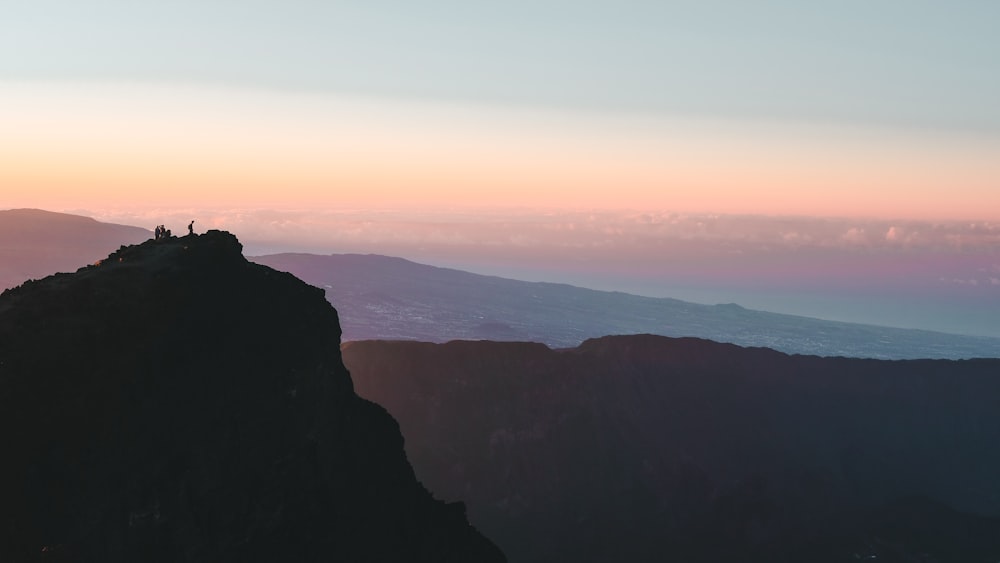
905	64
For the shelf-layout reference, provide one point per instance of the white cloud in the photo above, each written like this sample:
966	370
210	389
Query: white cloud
855	235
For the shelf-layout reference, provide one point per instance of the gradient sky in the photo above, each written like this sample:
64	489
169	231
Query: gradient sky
620	145
852	108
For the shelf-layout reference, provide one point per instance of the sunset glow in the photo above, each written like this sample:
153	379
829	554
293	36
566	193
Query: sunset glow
71	146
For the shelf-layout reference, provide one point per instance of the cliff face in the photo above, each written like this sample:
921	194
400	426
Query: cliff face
178	403
645	448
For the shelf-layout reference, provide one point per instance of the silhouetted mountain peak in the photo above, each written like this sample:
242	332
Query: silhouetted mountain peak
177	402
214	250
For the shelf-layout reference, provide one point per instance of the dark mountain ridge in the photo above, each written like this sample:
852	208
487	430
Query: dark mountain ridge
380	297
647	448
175	402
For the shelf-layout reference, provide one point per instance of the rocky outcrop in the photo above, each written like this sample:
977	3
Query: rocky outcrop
175	402
645	448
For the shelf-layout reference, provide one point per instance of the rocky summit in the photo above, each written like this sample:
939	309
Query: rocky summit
175	402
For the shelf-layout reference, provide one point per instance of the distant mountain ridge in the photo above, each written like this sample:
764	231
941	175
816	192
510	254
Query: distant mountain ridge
645	448
381	297
36	243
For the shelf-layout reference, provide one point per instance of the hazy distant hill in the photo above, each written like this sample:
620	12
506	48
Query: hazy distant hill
380	297
35	243
645	449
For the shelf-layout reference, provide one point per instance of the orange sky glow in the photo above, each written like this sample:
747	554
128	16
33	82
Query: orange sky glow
117	146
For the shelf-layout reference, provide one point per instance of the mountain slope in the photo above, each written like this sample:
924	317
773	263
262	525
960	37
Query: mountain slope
35	243
645	448
178	403
390	298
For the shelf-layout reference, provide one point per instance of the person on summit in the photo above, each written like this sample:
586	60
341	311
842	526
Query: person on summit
191	228
158	233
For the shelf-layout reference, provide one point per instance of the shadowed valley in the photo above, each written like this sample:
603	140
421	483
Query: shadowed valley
646	448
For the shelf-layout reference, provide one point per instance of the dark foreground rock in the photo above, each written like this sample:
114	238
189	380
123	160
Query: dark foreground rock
178	403
646	449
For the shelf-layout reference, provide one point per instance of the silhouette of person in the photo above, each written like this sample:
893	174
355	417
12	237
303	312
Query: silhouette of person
159	232
191	228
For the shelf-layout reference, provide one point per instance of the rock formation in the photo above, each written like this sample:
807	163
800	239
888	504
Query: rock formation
177	403
646	449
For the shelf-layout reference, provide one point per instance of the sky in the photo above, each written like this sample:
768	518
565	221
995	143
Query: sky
853	108
295	119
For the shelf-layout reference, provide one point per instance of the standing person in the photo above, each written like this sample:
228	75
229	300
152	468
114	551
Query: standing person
158	233
191	227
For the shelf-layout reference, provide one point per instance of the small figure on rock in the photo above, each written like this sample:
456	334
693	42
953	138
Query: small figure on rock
158	232
191	228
